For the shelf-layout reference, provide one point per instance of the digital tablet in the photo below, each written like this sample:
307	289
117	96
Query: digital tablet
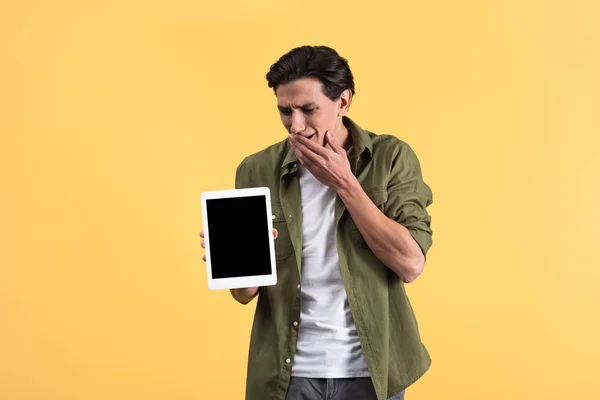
238	237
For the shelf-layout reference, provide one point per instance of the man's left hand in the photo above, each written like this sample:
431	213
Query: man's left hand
329	163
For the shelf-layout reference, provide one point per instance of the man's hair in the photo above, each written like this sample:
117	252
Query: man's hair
320	62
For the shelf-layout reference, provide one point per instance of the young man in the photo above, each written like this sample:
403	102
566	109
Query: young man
352	228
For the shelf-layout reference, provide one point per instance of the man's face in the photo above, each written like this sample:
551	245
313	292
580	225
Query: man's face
306	111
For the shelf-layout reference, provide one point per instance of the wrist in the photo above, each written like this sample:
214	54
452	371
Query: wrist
347	187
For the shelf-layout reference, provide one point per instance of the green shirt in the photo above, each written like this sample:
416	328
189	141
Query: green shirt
389	172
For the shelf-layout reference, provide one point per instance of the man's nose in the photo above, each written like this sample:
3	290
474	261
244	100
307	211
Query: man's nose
297	123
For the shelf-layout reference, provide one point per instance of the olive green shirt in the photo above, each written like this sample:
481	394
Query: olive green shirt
389	172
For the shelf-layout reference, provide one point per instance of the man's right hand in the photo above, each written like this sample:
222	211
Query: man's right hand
242	295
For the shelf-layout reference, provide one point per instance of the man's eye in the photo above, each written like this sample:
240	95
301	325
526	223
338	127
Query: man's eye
286	112
309	110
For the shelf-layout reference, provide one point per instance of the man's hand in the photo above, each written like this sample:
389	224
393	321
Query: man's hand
391	242
242	295
329	163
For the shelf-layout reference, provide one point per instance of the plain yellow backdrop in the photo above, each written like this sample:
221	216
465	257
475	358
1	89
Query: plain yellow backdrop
116	115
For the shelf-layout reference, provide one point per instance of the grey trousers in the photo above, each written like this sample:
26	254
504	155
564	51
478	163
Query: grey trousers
333	389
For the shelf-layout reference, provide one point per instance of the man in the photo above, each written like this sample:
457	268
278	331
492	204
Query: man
351	229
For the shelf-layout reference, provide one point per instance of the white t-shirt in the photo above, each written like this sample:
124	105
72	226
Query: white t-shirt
328	344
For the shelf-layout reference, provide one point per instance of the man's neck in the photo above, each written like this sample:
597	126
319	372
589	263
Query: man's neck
343	137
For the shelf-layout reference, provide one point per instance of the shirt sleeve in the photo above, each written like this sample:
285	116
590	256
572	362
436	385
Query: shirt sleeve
409	196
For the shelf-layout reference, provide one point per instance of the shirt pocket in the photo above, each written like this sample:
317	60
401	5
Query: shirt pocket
378	196
283	243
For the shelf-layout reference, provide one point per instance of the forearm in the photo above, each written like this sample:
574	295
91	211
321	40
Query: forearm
244	295
391	242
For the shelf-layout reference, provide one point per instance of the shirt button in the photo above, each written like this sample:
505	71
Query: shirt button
298	286
294	165
287	361
295	323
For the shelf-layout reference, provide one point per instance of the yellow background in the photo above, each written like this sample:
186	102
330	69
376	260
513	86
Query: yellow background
116	115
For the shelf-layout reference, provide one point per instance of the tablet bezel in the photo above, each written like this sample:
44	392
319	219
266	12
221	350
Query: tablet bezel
242	281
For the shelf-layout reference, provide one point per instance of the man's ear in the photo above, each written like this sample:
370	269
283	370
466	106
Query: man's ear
345	100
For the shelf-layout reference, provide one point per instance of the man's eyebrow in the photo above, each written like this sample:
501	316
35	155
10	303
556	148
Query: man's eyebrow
307	105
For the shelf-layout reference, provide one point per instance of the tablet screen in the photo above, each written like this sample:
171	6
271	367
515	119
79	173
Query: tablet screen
239	241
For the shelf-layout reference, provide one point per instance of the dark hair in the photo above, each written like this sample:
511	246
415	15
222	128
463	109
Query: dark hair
321	62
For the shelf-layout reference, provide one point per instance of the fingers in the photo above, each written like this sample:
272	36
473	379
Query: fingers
275	233
299	150
335	146
306	157
202	243
315	148
300	157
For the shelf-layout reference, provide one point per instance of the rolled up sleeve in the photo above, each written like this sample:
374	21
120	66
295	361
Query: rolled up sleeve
409	196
